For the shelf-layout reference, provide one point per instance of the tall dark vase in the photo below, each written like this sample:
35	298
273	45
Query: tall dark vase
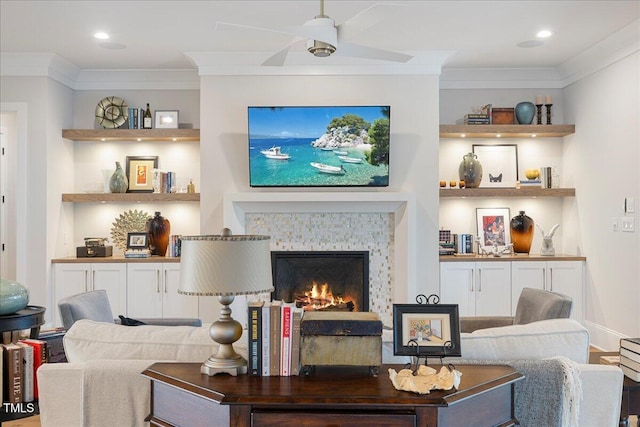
158	228
521	227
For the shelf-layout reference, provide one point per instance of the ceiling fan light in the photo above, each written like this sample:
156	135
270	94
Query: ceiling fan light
320	49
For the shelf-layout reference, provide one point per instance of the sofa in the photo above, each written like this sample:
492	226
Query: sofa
102	386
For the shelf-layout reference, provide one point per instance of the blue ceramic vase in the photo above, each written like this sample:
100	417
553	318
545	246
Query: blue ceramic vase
525	112
13	297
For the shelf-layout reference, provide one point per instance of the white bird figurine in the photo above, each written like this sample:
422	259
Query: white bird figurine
547	242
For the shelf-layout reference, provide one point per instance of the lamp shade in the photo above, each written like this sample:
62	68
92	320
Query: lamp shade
225	265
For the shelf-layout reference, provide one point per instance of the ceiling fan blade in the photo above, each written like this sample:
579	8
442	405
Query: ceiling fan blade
320	29
359	51
366	19
278	58
227	26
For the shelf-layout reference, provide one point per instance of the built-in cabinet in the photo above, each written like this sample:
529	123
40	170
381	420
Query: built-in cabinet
492	287
153	291
479	288
71	279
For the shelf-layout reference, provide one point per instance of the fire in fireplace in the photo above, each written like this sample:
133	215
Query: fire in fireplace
322	280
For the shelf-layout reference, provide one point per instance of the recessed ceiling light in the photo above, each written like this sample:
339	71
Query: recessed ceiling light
101	36
544	34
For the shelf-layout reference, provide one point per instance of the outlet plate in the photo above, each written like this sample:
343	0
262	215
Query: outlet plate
628	225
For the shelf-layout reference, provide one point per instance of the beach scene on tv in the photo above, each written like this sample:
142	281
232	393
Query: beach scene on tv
319	146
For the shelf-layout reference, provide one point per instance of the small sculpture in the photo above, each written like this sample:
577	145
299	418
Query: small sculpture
498	252
547	242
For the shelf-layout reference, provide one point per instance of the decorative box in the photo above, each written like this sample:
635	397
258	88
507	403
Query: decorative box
340	338
94	251
502	116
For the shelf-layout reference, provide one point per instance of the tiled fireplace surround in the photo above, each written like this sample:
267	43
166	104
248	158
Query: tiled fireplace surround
380	223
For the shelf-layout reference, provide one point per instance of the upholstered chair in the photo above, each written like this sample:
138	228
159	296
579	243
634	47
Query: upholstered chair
533	305
95	306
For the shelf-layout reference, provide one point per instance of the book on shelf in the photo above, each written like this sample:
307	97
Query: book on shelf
610	360
629	363
266	348
285	343
274	337
530	183
27	372
39	357
255	338
630	354
296	318
632	344
137	253
12	378
630	373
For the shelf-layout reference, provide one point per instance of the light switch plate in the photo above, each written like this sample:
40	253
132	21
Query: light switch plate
628	225
629	205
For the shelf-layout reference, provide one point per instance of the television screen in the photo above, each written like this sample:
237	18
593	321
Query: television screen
319	146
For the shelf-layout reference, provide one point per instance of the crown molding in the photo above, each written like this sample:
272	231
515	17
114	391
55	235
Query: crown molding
499	78
39	65
137	80
302	63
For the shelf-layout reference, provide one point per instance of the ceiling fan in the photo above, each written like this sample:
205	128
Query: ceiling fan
324	37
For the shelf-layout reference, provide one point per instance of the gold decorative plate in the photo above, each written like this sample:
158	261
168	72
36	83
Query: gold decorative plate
132	221
111	112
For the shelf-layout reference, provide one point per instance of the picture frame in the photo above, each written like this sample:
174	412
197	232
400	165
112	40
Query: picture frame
139	173
137	240
431	330
499	164
166	119
493	227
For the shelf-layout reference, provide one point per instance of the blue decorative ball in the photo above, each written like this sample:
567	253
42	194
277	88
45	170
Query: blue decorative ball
13	297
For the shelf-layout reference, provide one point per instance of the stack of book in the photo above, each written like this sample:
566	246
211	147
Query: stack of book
530	183
630	357
19	362
274	339
477	119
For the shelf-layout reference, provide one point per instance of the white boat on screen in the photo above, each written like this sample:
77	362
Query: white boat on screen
275	153
336	170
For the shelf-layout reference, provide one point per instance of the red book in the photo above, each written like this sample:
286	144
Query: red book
39	357
285	347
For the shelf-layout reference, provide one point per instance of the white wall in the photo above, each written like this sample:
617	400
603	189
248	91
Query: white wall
414	142
601	161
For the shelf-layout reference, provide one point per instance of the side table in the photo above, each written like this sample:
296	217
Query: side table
630	392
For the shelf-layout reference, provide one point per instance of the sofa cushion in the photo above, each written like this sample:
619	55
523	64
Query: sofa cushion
536	340
89	340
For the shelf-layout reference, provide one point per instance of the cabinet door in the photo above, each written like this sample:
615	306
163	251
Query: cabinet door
175	304
567	277
526	274
112	277
457	286
69	279
144	290
493	288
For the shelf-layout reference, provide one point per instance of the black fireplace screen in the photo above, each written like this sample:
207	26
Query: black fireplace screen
320	280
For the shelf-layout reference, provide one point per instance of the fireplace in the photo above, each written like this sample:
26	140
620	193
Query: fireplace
322	280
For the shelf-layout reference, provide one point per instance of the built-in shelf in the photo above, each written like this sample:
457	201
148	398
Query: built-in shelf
130	197
507	192
155	135
505	131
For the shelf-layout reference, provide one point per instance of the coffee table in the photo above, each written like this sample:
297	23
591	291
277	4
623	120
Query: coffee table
181	395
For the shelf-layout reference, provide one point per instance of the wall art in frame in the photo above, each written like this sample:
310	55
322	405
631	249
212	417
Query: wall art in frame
137	240
493	227
499	164
139	172
166	119
431	330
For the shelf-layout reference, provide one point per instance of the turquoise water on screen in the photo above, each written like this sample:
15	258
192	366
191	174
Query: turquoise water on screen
297	171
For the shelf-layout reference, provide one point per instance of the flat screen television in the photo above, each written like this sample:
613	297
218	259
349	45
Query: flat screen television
339	146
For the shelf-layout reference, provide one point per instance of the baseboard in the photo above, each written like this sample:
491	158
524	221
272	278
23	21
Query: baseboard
603	338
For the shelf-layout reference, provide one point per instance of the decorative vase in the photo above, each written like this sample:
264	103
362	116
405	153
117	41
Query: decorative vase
158	228
525	111
470	171
13	297
521	227
118	183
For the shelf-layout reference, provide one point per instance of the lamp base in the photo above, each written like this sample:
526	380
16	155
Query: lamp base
214	365
225	331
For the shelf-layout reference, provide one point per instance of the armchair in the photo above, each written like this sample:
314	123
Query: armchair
533	305
95	306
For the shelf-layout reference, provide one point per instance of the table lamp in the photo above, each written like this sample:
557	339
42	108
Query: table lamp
225	266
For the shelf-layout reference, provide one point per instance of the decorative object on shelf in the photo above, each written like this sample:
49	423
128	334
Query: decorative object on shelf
547	241
548	103
500	162
524	112
13	297
131	221
225	266
118	183
166	119
159	229
521	229
498	251
469	171
492	228
191	187
147	120
425	379
502	116
111	112
443	184
532	173
140	173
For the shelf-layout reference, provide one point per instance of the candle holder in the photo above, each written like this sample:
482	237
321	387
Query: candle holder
539	113
548	113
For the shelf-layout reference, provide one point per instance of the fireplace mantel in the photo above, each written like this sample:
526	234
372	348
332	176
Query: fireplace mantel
401	204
